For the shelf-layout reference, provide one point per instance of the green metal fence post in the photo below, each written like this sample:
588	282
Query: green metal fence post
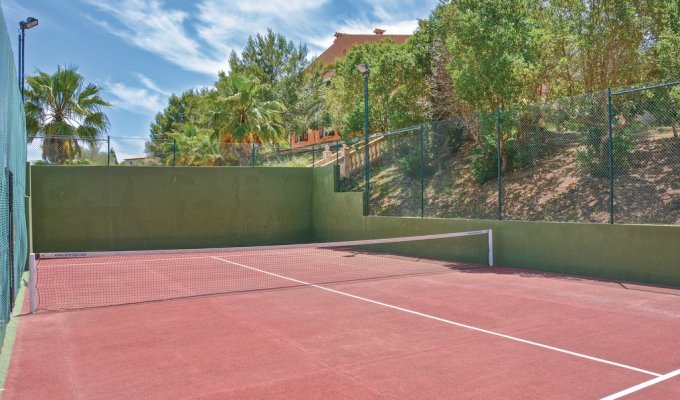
367	163
422	171
253	155
10	236
108	150
500	165
174	152
313	155
611	155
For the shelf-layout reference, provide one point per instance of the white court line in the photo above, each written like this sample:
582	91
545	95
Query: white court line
643	385
446	321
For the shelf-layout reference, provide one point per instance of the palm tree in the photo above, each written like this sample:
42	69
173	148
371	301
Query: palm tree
62	109
241	116
193	147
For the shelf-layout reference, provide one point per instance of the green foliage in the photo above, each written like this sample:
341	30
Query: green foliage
63	109
484	164
397	89
468	55
664	105
593	158
190	109
241	116
274	61
496	50
405	151
280	65
193	147
528	139
311	111
513	51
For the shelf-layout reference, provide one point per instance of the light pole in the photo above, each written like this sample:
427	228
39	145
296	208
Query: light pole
366	72
23	25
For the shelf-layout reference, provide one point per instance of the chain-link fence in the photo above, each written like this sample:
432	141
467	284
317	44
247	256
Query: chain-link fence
599	157
137	151
608	156
646	170
451	190
554	159
13	228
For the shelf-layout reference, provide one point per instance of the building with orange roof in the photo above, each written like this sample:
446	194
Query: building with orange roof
344	42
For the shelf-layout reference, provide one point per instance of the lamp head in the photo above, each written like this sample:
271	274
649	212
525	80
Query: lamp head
29	23
363	68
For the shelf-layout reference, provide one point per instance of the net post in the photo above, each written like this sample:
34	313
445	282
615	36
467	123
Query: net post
32	280
490	248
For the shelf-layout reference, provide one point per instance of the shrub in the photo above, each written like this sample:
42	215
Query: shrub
593	158
484	164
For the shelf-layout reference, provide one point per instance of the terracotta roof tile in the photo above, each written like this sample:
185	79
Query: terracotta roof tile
344	42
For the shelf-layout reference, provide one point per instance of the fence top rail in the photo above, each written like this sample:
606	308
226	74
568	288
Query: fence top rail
641	89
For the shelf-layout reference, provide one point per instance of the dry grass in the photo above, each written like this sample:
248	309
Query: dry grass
553	189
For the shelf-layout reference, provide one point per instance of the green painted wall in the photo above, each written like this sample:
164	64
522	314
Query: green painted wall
636	253
124	208
101	208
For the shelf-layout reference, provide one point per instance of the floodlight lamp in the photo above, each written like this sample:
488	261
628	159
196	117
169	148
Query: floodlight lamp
29	23
363	68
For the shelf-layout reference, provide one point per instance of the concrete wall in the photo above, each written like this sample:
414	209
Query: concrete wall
130	208
636	253
123	208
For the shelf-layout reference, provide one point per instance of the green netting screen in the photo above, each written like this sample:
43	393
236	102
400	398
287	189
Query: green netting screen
13	234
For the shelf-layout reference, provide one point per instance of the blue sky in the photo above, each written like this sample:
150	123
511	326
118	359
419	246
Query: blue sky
140	51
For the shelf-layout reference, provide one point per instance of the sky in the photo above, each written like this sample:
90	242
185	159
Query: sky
141	51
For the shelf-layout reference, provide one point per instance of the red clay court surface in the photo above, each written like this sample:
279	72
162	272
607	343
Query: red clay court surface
481	333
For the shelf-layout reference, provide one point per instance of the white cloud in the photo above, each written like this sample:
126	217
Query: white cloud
140	100
151	27
276	6
13	10
151	85
199	38
225	24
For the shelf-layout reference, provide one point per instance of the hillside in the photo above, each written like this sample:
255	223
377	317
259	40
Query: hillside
553	189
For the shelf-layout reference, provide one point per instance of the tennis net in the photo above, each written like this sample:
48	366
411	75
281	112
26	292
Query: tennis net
72	280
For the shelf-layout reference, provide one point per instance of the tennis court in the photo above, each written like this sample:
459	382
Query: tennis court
361	319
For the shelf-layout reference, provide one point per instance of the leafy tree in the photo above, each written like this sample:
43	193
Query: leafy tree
311	111
398	92
497	57
495	50
270	58
190	109
280	65
241	116
64	109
